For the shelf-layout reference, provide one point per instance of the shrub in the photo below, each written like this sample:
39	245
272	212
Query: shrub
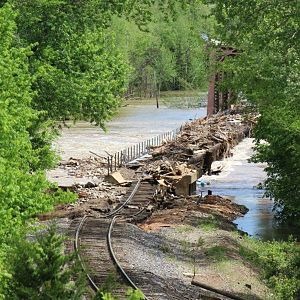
280	263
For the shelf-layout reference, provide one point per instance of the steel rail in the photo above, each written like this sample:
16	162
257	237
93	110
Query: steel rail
114	258
130	281
76	246
113	255
139	212
76	241
138	184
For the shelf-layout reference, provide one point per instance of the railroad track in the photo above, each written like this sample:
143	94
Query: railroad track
94	239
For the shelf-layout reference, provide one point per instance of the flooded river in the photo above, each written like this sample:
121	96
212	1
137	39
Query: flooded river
134	123
238	180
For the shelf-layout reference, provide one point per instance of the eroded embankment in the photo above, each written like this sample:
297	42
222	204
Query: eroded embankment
176	165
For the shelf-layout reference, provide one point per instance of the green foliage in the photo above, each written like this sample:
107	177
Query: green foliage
170	55
41	270
23	187
109	285
200	242
78	73
131	295
59	60
280	262
267	72
208	224
78	70
135	295
184	228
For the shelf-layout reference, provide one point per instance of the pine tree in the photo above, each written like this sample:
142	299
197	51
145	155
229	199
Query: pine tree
42	271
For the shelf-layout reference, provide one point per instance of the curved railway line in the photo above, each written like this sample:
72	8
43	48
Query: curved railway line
94	238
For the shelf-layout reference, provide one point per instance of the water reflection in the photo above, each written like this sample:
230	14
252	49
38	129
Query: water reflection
238	181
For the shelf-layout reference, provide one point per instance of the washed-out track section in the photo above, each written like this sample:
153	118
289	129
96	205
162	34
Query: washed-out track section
92	239
96	239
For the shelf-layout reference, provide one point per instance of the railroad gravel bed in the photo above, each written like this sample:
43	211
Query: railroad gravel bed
158	260
152	253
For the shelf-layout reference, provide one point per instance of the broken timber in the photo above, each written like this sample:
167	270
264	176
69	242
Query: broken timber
182	161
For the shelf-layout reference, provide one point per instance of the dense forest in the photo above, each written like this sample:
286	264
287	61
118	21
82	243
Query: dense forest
75	60
168	54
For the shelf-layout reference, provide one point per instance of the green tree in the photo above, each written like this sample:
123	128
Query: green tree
41	270
23	188
78	73
131	295
169	54
267	72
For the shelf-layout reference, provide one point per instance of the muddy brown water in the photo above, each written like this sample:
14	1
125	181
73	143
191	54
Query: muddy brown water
239	180
134	123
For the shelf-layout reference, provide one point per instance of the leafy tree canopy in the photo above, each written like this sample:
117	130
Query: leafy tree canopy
267	71
23	187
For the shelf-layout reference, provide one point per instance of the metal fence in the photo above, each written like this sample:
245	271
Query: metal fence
123	157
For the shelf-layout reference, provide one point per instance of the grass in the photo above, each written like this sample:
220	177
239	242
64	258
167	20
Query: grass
186	246
218	253
110	284
208	224
200	242
184	228
279	263
164	248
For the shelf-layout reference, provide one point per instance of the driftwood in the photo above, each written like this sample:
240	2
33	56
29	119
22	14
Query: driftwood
210	288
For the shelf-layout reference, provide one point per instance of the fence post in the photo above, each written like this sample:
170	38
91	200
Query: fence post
137	150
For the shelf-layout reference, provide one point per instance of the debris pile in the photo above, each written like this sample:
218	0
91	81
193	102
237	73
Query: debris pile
205	140
179	163
85	167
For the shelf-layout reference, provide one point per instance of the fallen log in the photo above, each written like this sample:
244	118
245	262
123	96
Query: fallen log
221	292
